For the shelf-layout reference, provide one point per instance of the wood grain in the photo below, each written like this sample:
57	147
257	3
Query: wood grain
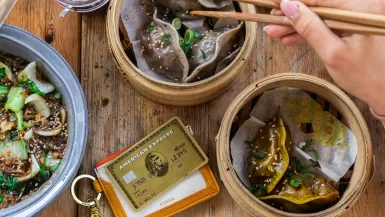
119	116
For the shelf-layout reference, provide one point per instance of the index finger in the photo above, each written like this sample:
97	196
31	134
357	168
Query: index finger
319	3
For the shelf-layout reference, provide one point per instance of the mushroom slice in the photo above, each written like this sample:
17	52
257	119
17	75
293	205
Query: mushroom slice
40	105
49	132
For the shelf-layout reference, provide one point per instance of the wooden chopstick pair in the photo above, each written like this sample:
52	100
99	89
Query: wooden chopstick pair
336	19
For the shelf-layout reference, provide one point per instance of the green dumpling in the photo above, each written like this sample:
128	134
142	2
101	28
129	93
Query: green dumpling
302	193
269	156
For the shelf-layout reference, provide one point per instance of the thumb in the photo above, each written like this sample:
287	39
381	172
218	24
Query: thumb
312	28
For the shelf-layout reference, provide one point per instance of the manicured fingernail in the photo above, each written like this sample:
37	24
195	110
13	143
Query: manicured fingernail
266	27
290	9
272	12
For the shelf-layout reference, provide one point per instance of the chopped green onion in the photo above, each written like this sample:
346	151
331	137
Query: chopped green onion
189	37
177	23
309	175
197	35
166	38
260	190
150	27
295	182
203	54
295	164
308	143
257	155
315	154
58	96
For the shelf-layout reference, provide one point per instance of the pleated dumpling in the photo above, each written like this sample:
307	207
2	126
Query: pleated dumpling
269	156
214	46
216	4
302	193
180	8
160	48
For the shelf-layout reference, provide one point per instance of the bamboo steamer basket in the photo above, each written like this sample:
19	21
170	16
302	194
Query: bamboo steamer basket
364	165
172	93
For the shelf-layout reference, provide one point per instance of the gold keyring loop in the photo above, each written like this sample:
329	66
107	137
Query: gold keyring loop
73	191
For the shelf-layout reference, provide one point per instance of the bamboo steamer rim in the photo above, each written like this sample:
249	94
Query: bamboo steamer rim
220	80
362	172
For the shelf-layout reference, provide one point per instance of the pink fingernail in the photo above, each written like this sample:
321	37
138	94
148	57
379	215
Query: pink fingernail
265	28
290	9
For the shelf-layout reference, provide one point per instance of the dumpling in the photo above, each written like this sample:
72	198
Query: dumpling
160	48
180	7
211	50
269	156
302	193
217	4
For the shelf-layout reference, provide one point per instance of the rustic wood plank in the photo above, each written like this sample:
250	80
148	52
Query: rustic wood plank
41	17
120	116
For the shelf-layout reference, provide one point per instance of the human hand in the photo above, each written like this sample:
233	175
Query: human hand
356	62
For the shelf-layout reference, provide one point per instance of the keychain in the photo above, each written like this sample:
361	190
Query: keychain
92	203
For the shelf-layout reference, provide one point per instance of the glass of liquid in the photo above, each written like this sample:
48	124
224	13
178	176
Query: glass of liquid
81	6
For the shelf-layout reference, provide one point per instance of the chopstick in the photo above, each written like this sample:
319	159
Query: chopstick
282	20
331	13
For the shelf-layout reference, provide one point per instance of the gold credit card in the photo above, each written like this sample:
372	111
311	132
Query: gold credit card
156	163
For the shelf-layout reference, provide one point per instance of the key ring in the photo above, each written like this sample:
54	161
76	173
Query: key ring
92	203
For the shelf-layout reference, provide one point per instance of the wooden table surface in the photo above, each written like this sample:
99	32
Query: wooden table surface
119	116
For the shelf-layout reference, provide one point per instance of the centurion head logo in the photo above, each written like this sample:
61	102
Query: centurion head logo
156	164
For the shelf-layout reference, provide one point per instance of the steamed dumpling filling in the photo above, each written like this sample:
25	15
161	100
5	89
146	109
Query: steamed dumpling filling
171	45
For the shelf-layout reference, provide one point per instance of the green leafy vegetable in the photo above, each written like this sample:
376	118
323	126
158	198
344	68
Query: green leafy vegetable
16	99
32	87
2	73
3	92
1	199
295	182
203	54
10	183
150	28
20	123
177	23
58	95
13	135
257	155
44	171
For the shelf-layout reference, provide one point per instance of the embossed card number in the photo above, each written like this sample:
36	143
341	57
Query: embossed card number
156	163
